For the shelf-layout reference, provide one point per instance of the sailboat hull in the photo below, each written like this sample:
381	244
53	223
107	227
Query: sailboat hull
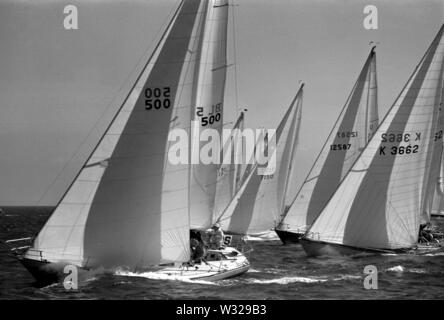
44	272
288	237
220	264
320	248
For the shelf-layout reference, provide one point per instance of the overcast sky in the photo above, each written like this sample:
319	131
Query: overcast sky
59	87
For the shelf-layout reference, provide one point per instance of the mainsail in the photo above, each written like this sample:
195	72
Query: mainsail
260	199
380	201
209	102
129	206
354	127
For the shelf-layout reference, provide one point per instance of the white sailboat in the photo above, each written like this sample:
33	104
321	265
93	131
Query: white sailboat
354	127
261	198
379	205
129	207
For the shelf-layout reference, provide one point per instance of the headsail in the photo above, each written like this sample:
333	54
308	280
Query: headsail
353	129
129	206
379	203
260	199
209	102
230	173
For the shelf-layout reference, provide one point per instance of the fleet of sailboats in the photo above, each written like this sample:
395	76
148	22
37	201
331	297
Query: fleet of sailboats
258	203
372	187
379	205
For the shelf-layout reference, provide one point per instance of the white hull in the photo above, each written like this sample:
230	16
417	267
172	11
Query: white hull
232	263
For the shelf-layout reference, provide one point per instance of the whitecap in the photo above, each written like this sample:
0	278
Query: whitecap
287	280
396	269
160	276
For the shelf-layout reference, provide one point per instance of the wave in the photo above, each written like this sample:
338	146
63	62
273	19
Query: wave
287	280
160	276
347	277
401	269
438	254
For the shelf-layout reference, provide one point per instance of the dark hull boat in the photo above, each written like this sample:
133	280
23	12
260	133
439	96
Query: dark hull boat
320	248
288	237
43	272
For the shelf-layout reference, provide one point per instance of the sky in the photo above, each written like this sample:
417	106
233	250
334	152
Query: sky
59	88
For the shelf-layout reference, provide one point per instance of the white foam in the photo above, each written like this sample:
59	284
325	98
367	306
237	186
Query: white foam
396	269
416	270
434	254
159	276
347	277
287	280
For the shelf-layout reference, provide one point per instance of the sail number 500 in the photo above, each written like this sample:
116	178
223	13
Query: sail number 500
157	98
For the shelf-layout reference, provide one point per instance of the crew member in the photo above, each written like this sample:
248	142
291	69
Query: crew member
216	237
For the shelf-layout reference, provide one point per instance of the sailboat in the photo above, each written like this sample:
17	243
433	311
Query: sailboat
379	205
256	205
129	207
354	127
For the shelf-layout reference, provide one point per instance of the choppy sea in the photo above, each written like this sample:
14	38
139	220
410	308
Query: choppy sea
277	272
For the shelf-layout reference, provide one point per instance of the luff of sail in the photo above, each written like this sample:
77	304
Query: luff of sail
379	203
354	127
209	103
128	206
259	201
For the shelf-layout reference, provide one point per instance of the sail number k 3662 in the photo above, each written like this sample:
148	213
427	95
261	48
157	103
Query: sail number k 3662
398	138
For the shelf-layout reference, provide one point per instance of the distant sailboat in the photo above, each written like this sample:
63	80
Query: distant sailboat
379	205
260	199
437	206
230	173
129	207
354	127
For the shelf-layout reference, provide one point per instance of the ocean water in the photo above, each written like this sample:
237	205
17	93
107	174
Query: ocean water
277	272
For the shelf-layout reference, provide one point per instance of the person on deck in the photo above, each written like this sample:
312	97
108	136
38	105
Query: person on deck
216	237
197	247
